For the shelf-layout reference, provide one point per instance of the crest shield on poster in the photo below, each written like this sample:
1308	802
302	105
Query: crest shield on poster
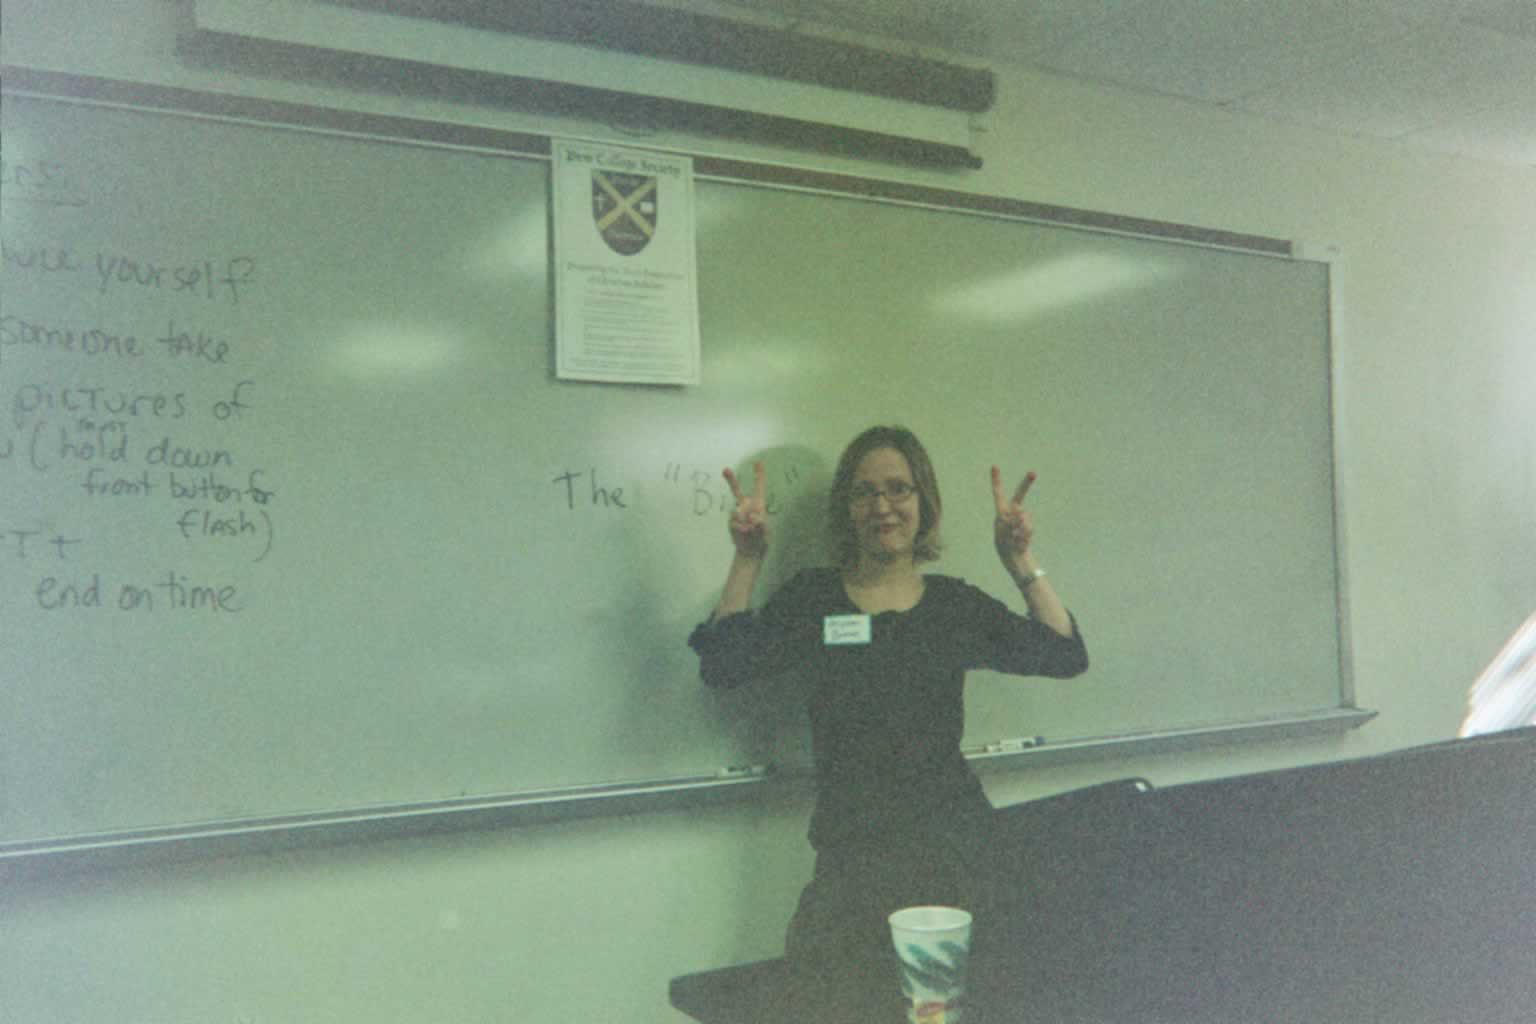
624	209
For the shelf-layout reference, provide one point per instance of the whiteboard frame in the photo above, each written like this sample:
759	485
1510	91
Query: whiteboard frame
243	835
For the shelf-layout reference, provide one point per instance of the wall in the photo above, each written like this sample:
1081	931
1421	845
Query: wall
1436	346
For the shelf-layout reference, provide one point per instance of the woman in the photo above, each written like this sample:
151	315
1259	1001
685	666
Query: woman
900	818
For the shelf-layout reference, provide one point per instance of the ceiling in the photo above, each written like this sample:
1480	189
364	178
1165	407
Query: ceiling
1450	76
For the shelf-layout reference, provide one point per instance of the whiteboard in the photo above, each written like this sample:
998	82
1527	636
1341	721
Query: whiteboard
295	517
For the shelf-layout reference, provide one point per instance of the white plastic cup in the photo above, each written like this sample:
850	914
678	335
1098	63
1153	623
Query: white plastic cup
933	945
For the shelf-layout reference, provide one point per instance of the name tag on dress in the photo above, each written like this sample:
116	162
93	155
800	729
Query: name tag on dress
845	630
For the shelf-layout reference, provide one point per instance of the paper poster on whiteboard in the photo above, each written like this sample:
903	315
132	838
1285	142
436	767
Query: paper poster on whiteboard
626	292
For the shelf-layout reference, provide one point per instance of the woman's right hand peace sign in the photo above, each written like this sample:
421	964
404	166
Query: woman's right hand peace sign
749	520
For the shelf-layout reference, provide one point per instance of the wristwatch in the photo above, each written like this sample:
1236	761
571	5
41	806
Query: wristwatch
1027	580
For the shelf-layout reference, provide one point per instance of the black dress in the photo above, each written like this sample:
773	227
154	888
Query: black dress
900	818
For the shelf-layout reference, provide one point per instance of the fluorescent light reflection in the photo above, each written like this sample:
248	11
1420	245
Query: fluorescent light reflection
380	352
520	248
762	363
1044	288
712	443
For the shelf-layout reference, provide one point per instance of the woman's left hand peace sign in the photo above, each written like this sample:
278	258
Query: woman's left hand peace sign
1013	529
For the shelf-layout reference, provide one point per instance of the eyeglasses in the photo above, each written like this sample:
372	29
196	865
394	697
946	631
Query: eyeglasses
895	492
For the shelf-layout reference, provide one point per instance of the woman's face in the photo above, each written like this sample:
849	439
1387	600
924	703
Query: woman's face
884	506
